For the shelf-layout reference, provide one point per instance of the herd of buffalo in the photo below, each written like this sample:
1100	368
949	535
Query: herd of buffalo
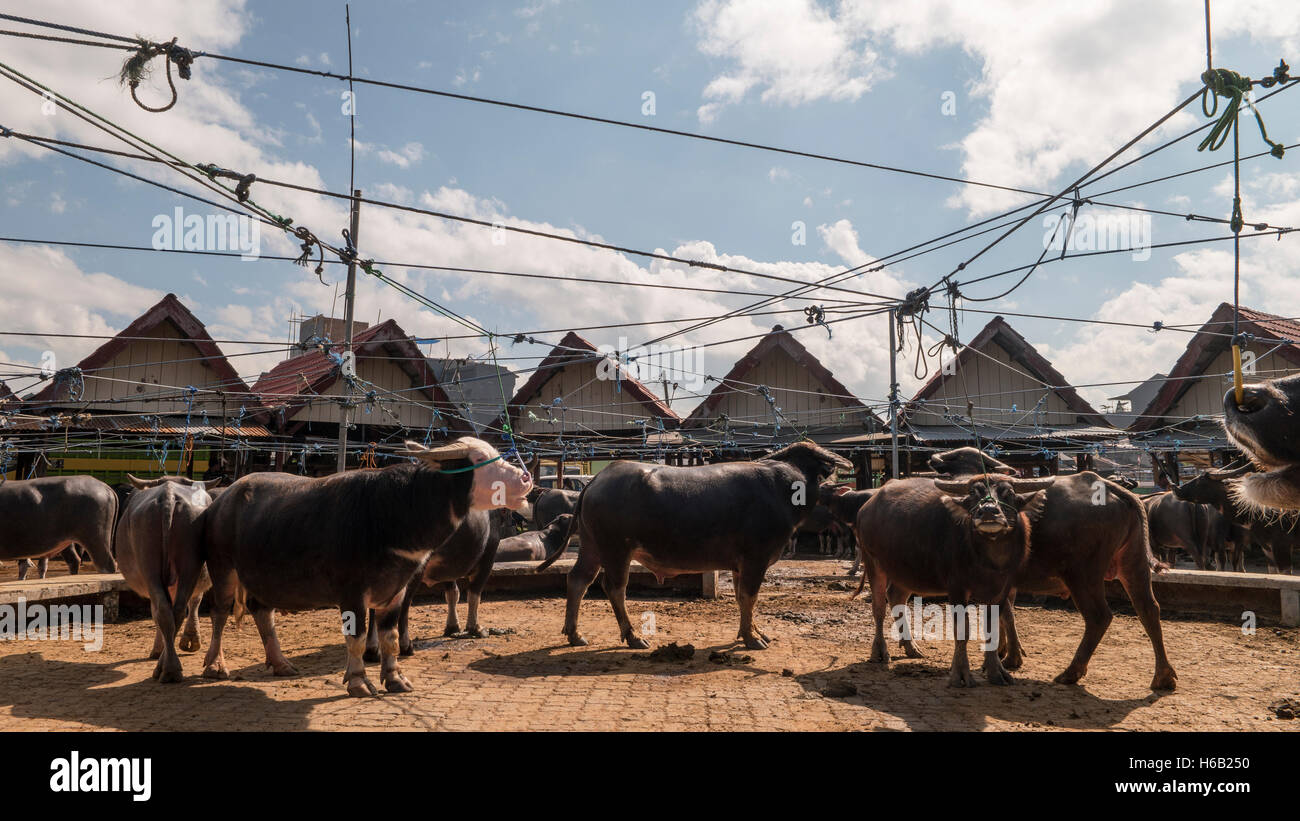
365	541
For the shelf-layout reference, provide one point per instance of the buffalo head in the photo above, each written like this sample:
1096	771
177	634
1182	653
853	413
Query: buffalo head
498	483
967	462
816	462
1265	425
993	503
145	484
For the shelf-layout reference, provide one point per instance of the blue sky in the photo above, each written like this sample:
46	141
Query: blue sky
1037	94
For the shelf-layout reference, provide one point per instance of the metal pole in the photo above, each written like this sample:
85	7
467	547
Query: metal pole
349	303
893	395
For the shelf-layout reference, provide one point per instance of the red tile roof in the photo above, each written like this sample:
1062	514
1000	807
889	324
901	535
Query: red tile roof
314	371
168	309
1212	339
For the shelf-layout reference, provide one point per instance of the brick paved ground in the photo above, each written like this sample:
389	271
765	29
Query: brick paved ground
527	679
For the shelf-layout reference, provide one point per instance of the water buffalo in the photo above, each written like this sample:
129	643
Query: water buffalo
1091	530
735	516
1275	535
1176	524
468	555
916	539
71	556
43	517
550	503
821	523
159	554
535	545
968	461
353	540
1264	426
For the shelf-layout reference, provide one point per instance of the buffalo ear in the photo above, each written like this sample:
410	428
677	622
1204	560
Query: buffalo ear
955	508
1032	504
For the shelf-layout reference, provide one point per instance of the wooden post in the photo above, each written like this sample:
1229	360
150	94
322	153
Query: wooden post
349	305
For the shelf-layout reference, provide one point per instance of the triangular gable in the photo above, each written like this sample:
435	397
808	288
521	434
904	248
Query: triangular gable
999	332
169	309
574	349
1211	340
315	371
777	339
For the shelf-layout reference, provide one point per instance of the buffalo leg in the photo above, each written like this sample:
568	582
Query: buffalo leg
959	675
404	645
451	592
879	611
616	588
580	577
749	578
24	567
1009	649
190	640
474	595
1090	597
354	636
223	601
390	672
157	650
168	668
371	653
265	618
1137	584
896	596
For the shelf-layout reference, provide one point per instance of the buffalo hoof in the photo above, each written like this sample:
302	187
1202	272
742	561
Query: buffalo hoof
879	653
170	674
637	643
912	651
360	686
451	630
576	640
961	678
395	682
997	675
371	656
284	669
753	643
1013	662
216	670
475	632
1165	680
407	649
190	644
1070	676
154	655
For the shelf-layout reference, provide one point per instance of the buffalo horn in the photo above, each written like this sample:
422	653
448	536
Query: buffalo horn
1232	471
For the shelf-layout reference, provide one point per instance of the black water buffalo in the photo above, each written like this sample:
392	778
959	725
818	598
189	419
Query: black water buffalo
916	539
1091	530
159	553
535	545
352	540
819	522
43	517
735	516
1265	425
1176	524
71	556
1275	535
468	555
967	461
551	503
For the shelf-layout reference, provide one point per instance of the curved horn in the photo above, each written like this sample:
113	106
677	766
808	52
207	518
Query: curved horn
953	487
138	483
1238	468
1028	485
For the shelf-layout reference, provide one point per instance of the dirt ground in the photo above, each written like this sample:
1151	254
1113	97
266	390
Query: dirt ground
524	677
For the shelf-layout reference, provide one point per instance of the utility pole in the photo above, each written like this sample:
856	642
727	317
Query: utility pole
348	368
893	393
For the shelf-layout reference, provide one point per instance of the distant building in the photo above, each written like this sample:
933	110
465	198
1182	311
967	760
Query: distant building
1001	394
475	388
779	390
396	396
159	396
1129	406
1182	425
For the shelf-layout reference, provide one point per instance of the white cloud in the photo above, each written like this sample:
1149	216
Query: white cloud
404	157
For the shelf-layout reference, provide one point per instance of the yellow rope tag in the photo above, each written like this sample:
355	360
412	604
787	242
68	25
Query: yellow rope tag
1236	374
